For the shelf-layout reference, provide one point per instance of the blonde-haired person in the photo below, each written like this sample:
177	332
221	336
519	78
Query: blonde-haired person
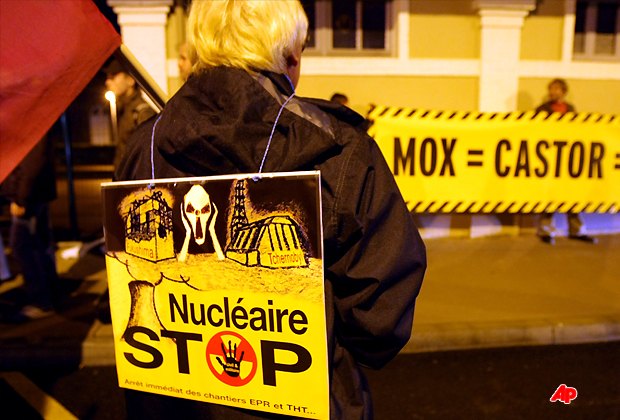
224	33
238	113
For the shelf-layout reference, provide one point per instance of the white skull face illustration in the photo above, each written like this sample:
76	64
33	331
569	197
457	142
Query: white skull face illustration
197	208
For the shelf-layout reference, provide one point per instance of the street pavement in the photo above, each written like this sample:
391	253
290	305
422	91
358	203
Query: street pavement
516	290
500	291
514	383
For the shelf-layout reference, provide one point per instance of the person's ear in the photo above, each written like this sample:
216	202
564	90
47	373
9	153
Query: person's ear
292	61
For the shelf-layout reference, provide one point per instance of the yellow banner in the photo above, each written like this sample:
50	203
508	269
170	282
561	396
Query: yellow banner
501	162
216	290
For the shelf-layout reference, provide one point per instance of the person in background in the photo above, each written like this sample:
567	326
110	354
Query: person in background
558	88
132	110
5	272
185	66
340	98
246	58
30	188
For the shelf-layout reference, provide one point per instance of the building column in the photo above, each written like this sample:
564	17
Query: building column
143	28
568	32
402	16
501	24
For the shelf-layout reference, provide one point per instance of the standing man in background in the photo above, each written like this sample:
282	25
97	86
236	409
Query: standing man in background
132	109
340	98
558	88
5	273
185	66
30	188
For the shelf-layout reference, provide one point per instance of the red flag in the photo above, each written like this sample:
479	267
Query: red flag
50	50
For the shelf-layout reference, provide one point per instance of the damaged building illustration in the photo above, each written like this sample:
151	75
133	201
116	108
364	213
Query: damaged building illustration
148	228
276	241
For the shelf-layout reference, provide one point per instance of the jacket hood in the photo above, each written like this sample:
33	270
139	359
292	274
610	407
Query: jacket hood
221	121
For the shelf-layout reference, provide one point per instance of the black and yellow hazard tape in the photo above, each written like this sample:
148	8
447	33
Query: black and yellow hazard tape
460	161
511	207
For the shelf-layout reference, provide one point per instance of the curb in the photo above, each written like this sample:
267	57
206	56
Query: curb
446	337
98	348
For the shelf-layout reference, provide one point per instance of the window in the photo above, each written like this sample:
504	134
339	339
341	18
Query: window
597	30
347	27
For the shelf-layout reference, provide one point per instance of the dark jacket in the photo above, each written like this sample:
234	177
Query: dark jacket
219	123
33	180
547	106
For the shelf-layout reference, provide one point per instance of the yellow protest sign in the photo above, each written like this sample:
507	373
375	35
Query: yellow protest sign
501	162
216	290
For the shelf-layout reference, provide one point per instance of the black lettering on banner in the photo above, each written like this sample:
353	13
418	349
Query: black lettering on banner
270	311
210	315
545	168
597	152
181	339
541	164
239	313
559	146
259	319
498	158
523	162
262	317
399	158
447	161
270	367
298	408
423	155
226	313
182	313
279	315
158	358
202	320
476	163
428	156
572	159
302	321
